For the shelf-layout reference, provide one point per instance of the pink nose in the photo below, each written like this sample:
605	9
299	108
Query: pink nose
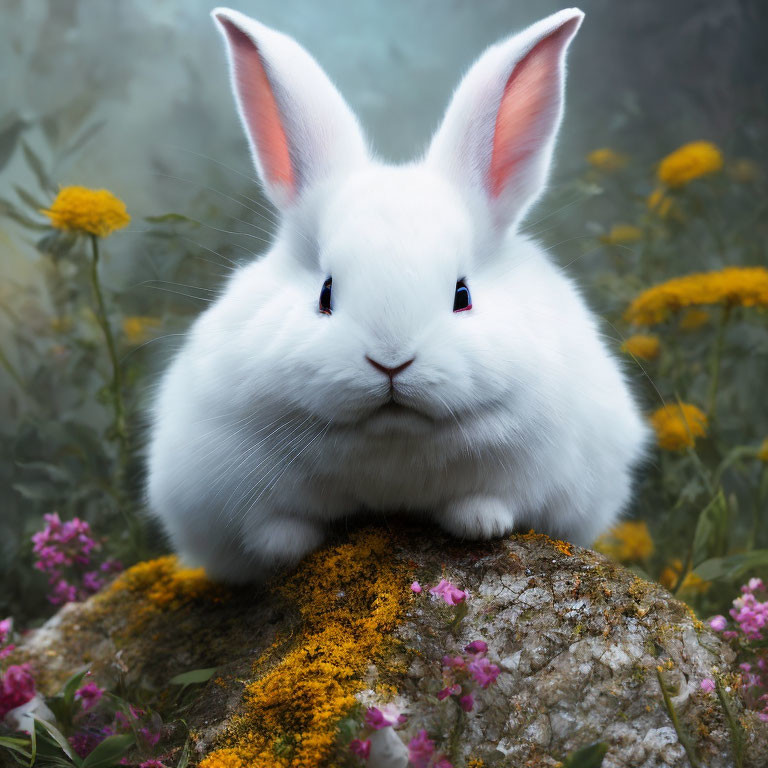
391	372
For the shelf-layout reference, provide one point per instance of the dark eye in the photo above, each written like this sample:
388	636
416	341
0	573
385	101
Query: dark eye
324	305
462	301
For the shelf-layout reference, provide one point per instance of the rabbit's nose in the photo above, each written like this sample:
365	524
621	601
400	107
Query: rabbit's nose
391	372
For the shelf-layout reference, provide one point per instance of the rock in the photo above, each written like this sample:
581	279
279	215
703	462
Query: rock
578	640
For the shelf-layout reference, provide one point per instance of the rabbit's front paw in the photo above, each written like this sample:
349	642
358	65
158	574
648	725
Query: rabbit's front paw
477	517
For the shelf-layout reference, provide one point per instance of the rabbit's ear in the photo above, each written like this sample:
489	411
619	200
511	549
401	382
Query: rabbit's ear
499	131
300	129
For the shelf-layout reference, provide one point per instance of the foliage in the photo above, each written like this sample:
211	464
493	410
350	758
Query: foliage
694	272
81	337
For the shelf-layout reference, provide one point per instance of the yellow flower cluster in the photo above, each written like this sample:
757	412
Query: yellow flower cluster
627	542
689	162
693	319
93	211
677	426
642	346
350	598
137	329
762	454
622	233
606	159
744	286
660	203
691	583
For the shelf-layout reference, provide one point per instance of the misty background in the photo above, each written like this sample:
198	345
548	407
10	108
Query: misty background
134	97
152	75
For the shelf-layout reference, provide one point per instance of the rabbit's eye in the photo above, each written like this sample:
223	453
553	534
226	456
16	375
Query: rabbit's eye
324	304
462	301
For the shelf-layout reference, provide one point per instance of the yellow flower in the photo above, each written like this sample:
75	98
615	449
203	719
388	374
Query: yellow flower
642	346
691	583
606	159
138	329
62	324
762	454
689	162
678	425
626	542
693	319
743	171
622	233
745	286
94	211
661	204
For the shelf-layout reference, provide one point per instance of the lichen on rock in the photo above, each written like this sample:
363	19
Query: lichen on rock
577	639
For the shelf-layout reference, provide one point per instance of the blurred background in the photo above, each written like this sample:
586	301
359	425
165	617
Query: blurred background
134	98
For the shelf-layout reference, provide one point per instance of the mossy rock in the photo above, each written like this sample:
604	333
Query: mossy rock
578	639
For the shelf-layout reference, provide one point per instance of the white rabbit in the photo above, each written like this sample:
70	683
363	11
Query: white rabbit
348	371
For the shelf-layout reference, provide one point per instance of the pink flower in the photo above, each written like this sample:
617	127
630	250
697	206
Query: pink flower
449	592
92	582
150	736
467	702
451	690
707	685
5	630
420	750
360	747
453	662
90	695
7	651
718	623
476	646
84	742
483	671
17	687
384	717
416	587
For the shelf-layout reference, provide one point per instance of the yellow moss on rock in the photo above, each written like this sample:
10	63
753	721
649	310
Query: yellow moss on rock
156	586
350	599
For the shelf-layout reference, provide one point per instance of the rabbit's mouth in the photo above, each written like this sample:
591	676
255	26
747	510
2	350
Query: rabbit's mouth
393	408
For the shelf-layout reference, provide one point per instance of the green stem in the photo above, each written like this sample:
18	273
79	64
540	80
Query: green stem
758	510
11	370
682	736
116	384
714	364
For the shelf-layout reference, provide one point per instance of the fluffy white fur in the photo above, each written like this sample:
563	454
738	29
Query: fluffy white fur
269	423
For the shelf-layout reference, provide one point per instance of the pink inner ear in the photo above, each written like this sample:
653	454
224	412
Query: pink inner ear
260	108
528	107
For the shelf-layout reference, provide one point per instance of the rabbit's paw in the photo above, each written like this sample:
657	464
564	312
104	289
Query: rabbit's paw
283	539
477	517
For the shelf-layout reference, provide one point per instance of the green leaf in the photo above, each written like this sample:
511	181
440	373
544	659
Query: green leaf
184	757
108	753
587	757
9	210
21	746
9	137
712	530
85	137
41	491
36	164
166	217
733	566
35	204
194	676
42	727
54	473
